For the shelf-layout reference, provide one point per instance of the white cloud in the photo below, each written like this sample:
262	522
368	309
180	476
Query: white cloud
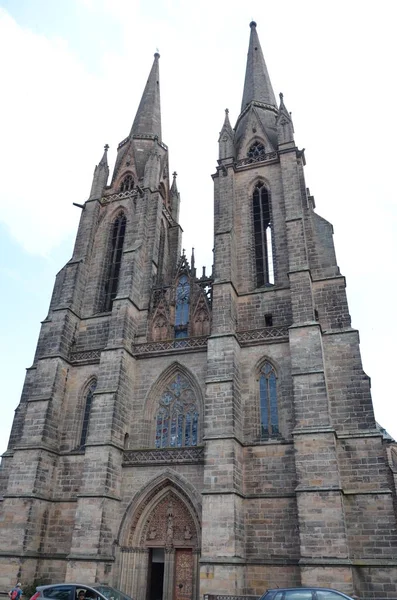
49	121
334	64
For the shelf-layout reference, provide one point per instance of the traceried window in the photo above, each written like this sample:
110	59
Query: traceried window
268	401
262	235
256	152
177	418
114	261
87	411
127	184
182	303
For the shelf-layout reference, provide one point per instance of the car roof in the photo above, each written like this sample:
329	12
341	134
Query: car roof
308	588
67	583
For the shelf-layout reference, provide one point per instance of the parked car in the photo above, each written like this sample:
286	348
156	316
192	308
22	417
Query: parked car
304	593
78	591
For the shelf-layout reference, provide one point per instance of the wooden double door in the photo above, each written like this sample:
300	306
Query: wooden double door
172	575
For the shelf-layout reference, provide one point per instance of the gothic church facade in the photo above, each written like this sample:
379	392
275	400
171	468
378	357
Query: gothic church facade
181	433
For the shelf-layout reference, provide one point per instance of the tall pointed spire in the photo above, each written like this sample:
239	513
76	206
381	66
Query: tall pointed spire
148	117
259	108
257	84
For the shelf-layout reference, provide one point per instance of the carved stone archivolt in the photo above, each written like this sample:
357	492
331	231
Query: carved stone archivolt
165	516
145	520
170	524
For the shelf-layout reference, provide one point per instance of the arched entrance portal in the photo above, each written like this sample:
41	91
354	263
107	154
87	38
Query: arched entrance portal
160	554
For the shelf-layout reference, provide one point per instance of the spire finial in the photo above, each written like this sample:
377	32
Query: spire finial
252	24
157	53
106	147
227	111
175	174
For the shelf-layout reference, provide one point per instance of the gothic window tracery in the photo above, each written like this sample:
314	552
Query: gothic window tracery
262	235
114	262
268	401
177	418
87	411
127	184
182	304
256	152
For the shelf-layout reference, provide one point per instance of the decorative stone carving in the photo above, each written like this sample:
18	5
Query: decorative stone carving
166	346
168	525
187	455
256	335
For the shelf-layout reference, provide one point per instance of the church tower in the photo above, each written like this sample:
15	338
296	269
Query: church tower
182	434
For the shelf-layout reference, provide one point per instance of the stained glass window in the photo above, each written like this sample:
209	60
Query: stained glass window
114	264
182	307
262	236
268	401
177	415
87	412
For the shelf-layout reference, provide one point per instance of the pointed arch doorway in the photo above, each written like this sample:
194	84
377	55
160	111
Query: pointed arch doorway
160	556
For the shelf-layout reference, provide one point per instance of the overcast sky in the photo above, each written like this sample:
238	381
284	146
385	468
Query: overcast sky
72	73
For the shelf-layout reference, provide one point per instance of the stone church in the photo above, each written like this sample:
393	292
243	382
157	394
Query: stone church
183	433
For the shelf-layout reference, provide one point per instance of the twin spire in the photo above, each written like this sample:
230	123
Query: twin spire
257	89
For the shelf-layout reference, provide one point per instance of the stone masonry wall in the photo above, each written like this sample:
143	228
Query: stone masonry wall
252	309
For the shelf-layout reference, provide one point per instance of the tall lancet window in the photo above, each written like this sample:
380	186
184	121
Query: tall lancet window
87	411
114	263
160	262
182	307
268	401
263	235
177	418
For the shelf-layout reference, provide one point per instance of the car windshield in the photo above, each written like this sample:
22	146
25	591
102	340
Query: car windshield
111	593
